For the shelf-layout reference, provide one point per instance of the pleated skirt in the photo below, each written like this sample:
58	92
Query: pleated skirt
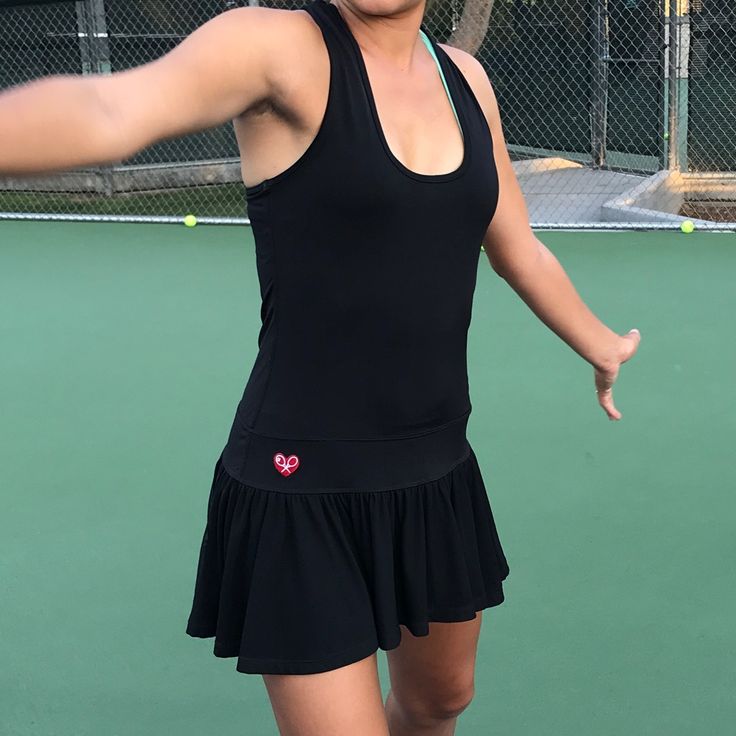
300	583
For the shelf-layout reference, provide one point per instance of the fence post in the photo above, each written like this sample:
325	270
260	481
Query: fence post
599	87
95	46
683	83
100	40
83	37
672	90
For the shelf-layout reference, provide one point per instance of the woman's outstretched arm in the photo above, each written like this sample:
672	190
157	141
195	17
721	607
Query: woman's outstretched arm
534	272
218	72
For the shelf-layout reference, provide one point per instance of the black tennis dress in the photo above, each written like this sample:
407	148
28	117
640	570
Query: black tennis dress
347	499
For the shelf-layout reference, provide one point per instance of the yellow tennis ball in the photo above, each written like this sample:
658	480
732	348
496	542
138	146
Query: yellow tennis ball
190	220
687	226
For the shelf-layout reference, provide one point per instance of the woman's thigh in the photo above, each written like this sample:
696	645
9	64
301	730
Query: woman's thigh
436	671
343	701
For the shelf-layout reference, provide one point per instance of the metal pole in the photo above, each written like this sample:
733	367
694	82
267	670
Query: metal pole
83	38
599	91
100	48
672	157
100	41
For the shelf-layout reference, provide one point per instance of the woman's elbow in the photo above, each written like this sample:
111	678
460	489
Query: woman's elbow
515	255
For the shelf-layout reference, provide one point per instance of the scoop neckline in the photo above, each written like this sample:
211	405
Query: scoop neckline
447	176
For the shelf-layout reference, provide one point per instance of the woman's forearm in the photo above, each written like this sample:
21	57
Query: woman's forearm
548	291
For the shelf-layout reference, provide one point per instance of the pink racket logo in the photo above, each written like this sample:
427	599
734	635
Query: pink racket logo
286	465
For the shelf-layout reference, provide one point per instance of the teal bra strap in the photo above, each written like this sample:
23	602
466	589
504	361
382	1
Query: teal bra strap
430	48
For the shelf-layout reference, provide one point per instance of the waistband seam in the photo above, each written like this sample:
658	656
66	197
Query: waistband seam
383	438
327	491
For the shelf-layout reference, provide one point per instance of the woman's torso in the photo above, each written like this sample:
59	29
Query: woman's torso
413	106
367	271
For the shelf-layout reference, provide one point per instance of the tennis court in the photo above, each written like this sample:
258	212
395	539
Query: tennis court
125	348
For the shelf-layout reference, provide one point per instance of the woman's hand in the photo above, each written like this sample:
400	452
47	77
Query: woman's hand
605	375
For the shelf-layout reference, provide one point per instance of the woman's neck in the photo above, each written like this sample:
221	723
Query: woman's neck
382	31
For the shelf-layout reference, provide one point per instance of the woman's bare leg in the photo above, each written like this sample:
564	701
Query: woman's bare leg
341	702
432	678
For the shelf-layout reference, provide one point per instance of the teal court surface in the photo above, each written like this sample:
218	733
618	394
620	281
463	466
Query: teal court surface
124	349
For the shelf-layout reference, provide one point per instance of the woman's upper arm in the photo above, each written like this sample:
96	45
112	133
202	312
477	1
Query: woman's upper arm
216	73
509	238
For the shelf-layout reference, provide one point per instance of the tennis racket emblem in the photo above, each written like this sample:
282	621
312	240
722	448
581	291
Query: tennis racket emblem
285	465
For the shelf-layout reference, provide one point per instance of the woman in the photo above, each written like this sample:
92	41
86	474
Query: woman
347	512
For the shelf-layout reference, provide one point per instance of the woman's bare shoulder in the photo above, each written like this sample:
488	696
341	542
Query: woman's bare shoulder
279	26
272	53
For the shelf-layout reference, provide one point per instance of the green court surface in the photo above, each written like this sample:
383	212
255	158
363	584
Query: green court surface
124	350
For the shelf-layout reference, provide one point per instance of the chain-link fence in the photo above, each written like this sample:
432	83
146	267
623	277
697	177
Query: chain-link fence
617	113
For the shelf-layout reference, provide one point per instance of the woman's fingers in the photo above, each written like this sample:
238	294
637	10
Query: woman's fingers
604	379
605	399
633	338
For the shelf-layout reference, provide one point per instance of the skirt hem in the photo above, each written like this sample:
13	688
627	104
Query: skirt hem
354	653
